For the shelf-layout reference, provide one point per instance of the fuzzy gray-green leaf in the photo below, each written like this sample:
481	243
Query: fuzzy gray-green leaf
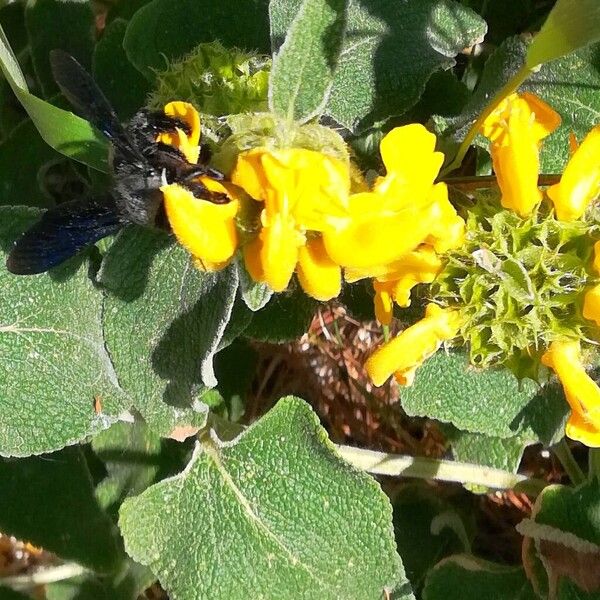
273	514
304	67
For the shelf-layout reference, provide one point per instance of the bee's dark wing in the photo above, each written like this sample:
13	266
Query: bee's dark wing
87	98
61	233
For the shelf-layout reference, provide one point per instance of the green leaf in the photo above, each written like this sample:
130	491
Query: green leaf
254	294
122	83
163	30
8	594
286	317
49	500
565	527
303	69
128	584
274	514
571	85
19	181
64	131
564	513
64	24
491	402
427	529
465	577
131	453
54	362
480	449
391	50
570	25
163	321
567	590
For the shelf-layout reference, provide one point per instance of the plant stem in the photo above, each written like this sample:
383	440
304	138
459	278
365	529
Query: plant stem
381	463
594	463
43	576
572	469
511	85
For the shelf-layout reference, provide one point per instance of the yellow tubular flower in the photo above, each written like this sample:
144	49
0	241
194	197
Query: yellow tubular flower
515	129
591	304
582	394
404	354
188	144
403	209
302	190
596	263
207	230
393	282
319	276
580	182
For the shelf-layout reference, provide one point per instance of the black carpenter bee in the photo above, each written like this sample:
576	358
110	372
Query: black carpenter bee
139	166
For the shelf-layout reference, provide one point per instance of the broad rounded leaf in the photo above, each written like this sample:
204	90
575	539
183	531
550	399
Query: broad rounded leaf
303	69
468	578
164	320
163	30
493	401
273	514
54	366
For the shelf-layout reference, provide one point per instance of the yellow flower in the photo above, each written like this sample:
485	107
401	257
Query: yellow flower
404	354
403	210
580	182
515	129
591	304
187	144
583	395
393	282
302	190
319	276
205	229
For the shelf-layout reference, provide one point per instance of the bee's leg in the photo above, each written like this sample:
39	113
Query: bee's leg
199	170
202	192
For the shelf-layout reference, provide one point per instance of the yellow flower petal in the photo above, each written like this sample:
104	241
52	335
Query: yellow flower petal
319	276
411	163
373	237
404	354
187	144
515	129
580	182
596	263
280	241
581	392
447	228
581	430
591	304
205	229
311	186
383	301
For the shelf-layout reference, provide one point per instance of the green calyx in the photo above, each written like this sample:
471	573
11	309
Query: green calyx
519	283
218	81
268	130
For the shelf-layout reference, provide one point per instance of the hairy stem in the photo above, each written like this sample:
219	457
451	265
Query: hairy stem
381	463
572	469
511	85
594	463
43	576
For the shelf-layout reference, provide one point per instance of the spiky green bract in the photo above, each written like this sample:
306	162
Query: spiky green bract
519	283
217	81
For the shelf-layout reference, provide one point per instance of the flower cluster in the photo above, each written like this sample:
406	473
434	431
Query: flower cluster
523	289
515	278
